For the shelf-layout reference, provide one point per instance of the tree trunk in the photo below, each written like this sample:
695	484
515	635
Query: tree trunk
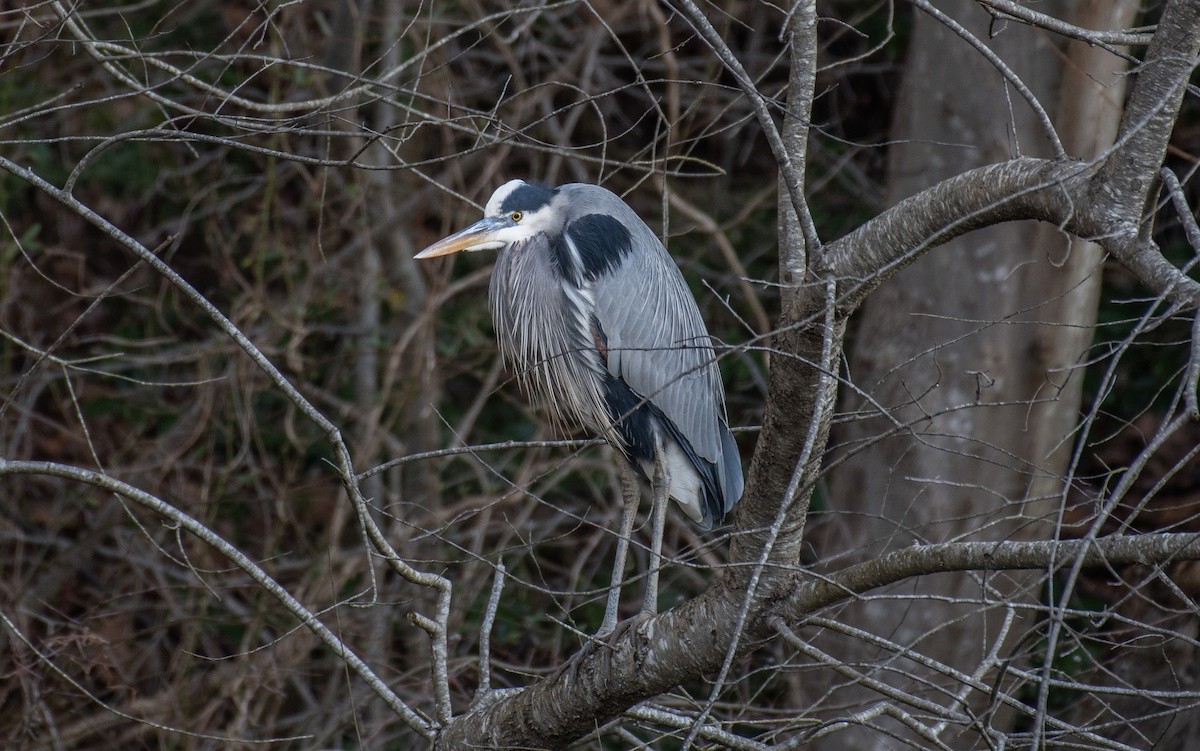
973	350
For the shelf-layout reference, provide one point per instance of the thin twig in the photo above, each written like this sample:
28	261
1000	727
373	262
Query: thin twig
24	639
239	559
342	459
762	323
671	719
882	709
759	103
458	451
1193	371
954	675
1186	218
46	354
1192	231
905	697
1038	110
1103	38
485	630
1059	604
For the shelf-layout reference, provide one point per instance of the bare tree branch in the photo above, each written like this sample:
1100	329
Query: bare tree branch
1013	79
690	640
211	538
1125	181
1009	9
791	171
1152	550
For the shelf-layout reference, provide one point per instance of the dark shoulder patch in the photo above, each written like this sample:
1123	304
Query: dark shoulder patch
601	242
527	198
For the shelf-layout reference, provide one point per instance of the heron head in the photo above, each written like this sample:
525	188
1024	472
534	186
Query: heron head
516	212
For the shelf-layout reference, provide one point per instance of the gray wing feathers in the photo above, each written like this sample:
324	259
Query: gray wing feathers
731	468
658	344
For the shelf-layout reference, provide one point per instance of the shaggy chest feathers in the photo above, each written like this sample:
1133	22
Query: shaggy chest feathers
549	333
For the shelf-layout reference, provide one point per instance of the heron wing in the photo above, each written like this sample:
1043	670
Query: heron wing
658	345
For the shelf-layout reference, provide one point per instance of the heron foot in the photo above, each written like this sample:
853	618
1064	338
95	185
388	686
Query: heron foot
600	641
628	623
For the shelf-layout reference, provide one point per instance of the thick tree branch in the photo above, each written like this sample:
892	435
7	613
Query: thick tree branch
797	234
1059	192
919	560
1025	188
1124	183
794	382
793	402
1104	205
690	640
645	661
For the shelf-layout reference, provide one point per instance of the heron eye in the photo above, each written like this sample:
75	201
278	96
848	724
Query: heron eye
515	216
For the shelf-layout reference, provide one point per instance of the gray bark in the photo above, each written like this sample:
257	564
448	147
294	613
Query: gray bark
974	349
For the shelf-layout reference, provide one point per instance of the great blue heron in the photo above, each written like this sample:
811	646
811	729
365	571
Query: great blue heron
596	319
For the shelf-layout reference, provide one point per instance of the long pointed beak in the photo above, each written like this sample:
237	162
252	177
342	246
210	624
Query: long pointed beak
479	236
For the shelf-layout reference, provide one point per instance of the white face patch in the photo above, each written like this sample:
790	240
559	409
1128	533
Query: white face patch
527	220
545	219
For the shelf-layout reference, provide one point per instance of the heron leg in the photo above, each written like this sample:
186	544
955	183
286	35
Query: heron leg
632	495
662	489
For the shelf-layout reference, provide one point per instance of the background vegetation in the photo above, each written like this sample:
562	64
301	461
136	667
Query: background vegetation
287	160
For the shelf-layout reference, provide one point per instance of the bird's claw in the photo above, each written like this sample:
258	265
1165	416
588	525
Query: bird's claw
622	626
601	640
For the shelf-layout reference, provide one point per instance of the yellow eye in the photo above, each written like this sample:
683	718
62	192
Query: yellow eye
515	216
